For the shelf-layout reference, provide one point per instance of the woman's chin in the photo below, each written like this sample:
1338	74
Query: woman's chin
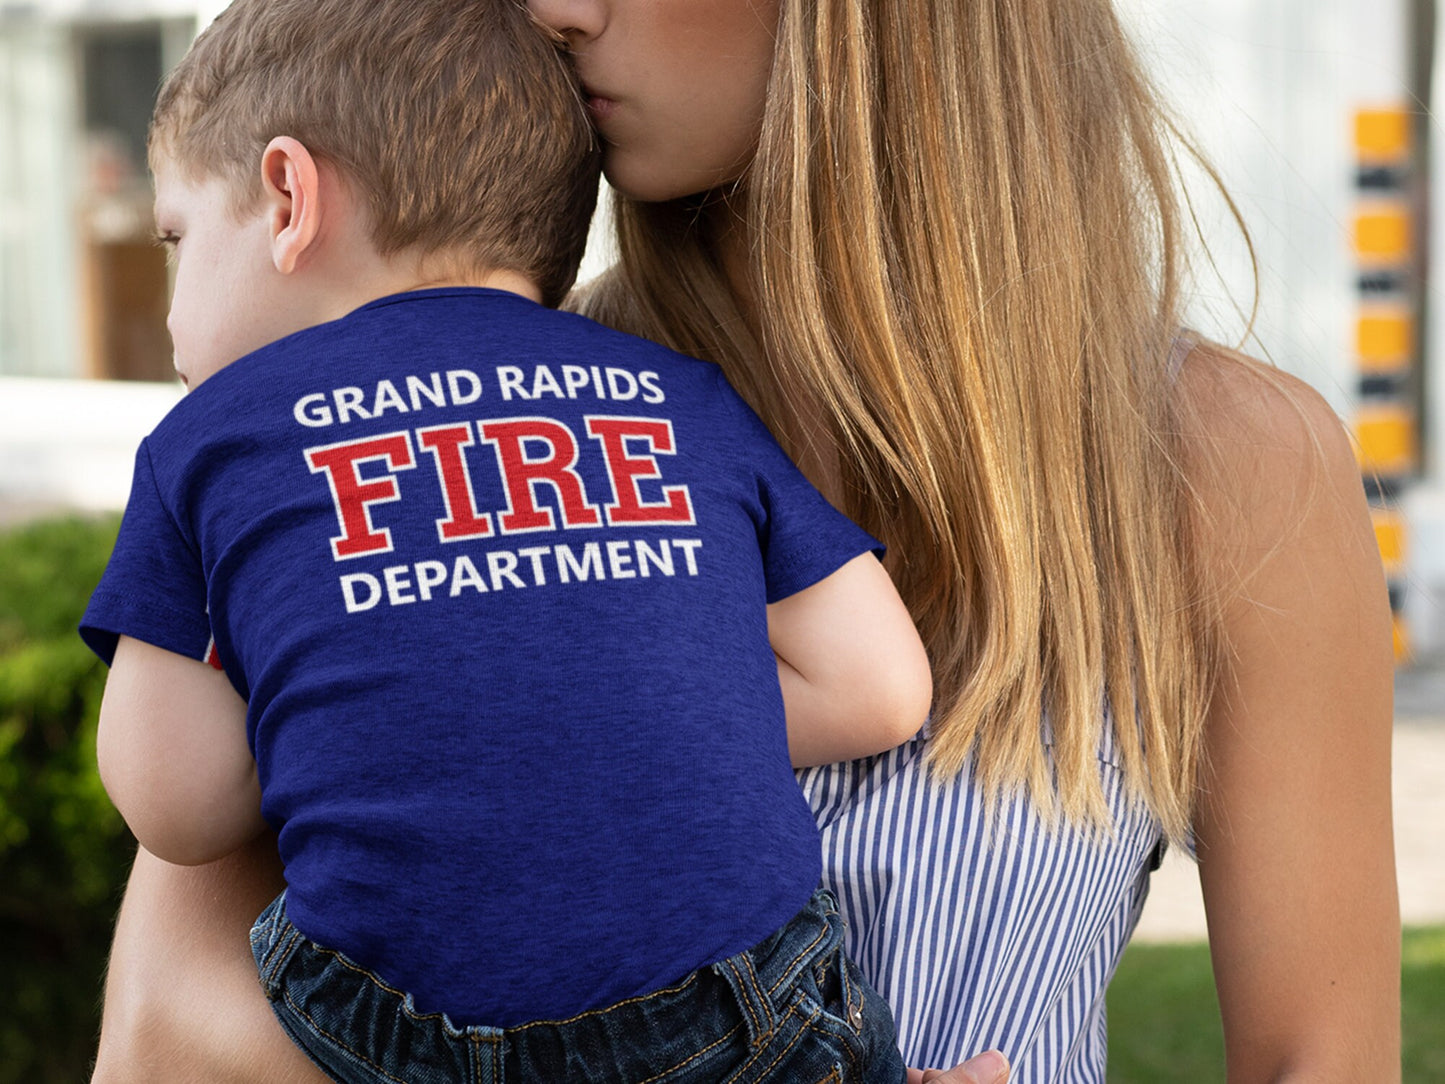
643	179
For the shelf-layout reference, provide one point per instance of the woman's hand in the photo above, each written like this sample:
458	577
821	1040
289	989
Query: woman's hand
990	1067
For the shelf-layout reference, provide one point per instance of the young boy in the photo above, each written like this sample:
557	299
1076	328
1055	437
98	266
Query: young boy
501	608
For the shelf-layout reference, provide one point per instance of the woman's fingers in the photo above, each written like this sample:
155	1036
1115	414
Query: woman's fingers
990	1067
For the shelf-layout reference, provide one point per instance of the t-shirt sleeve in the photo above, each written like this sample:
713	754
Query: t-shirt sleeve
153	588
804	539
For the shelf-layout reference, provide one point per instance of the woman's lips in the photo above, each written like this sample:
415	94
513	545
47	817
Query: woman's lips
599	105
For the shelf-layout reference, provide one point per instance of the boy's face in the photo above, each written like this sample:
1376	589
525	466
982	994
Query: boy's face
227	299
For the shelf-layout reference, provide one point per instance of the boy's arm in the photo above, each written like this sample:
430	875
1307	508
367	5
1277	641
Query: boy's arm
173	755
855	676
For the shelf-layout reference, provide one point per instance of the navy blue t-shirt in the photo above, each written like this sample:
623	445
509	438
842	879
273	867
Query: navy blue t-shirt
492	580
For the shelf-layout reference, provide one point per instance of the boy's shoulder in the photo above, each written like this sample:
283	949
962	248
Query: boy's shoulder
406	353
654	352
498	319
568	346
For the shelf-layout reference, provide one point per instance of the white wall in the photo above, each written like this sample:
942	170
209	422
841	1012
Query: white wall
38	184
71	443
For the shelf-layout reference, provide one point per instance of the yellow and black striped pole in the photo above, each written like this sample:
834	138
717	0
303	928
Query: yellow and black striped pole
1386	419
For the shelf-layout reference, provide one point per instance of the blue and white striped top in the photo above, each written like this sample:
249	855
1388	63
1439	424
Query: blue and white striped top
979	941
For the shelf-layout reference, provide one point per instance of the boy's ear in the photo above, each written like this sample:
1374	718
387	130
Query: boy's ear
291	187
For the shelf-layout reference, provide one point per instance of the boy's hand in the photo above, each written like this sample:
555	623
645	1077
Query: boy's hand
173	755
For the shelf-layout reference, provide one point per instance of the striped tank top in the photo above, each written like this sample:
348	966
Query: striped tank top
1001	937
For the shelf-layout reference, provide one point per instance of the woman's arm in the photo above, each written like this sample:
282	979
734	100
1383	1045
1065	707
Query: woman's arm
181	998
1295	844
854	673
182	1002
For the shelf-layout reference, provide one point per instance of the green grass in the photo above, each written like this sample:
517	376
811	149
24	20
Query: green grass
1423	1009
1164	1017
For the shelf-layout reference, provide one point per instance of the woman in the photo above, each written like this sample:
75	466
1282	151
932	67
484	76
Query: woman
935	242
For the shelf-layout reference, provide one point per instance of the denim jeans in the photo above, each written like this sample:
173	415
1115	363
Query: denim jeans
791	1010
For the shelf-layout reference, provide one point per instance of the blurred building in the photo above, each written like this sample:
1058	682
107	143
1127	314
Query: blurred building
1312	110
82	286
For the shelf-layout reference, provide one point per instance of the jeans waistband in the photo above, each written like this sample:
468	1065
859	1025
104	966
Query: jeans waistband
738	1000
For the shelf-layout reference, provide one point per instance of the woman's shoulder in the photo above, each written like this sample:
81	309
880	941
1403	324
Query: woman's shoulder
1235	401
1262	451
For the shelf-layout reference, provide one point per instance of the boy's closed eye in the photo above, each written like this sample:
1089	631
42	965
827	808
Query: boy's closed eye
168	241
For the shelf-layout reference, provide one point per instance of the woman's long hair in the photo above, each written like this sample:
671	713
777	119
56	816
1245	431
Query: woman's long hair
965	262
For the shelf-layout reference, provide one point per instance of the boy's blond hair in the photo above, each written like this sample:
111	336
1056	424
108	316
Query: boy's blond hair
456	121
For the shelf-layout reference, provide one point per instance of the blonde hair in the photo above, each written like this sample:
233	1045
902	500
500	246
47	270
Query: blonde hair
457	120
965	252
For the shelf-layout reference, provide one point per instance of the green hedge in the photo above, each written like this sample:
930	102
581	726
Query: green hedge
64	851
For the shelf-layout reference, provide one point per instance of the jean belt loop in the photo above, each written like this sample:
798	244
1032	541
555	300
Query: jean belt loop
488	1065
752	999
287	940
